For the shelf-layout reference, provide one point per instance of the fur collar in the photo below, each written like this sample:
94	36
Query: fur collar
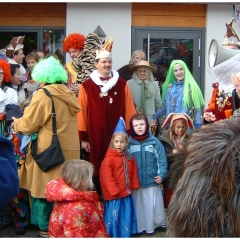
110	84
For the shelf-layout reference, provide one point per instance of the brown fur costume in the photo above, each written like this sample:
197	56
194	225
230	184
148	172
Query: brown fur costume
83	63
206	200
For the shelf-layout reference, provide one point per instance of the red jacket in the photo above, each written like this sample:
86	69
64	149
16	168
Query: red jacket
118	175
75	214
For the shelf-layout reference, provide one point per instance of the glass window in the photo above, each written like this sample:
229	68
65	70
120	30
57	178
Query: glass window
53	43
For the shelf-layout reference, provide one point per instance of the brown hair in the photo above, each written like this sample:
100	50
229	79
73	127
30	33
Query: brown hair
206	200
77	174
124	135
32	55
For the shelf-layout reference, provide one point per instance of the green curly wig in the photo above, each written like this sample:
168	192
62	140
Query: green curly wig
49	71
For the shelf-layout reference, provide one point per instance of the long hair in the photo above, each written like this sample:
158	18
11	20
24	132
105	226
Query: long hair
196	94
206	200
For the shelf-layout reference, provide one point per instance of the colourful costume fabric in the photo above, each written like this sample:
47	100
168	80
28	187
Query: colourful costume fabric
222	104
99	116
118	177
174	103
75	214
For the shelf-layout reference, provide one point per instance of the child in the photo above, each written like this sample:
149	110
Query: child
118	178
173	140
152	169
77	211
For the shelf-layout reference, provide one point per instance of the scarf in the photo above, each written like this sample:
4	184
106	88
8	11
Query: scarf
145	93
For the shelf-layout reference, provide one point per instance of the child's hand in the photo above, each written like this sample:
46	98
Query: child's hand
158	180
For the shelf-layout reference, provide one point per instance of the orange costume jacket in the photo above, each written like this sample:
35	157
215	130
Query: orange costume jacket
221	103
99	116
118	175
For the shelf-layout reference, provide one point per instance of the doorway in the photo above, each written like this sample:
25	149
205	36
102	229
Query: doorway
162	45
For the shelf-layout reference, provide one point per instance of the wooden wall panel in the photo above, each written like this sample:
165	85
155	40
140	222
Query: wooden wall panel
169	14
33	14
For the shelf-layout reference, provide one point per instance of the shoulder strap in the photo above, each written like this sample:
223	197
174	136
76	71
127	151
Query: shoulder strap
54	124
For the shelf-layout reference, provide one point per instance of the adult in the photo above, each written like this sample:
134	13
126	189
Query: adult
7	94
30	85
125	72
9	181
205	202
103	98
145	91
40	53
84	62
37	118
222	104
73	44
181	94
14	51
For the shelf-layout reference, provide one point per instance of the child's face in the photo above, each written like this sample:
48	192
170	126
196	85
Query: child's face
179	128
139	127
31	63
119	143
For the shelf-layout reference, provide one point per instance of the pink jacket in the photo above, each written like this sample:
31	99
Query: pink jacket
75	214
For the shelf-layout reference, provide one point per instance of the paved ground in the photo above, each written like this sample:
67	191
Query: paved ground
32	232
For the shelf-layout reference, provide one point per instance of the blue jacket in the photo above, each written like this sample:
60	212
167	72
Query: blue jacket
151	160
9	181
174	102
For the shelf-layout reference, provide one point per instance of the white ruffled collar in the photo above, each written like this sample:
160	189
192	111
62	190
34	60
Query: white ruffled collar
110	84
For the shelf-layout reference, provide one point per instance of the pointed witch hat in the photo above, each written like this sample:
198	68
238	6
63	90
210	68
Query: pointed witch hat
120	126
231	38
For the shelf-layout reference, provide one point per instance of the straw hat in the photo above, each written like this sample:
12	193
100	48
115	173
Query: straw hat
143	64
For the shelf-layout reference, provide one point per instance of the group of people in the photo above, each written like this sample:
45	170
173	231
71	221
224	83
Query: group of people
109	121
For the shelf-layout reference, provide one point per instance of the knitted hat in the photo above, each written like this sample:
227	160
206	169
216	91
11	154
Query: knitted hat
176	116
139	116
120	126
15	44
143	64
106	49
50	71
231	38
74	40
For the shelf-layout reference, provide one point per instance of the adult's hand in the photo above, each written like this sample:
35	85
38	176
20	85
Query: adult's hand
236	82
74	88
209	116
12	124
85	146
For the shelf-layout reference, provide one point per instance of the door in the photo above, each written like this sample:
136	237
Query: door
162	45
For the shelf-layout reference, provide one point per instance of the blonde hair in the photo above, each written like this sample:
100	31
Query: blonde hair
77	174
149	74
124	135
140	52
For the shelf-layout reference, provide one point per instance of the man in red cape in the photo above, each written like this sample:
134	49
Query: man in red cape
103	98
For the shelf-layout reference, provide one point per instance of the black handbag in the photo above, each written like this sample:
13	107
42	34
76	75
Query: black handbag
52	156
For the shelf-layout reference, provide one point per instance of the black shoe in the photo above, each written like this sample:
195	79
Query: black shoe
162	228
20	230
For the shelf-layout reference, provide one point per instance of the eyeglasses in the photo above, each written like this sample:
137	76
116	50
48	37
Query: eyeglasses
105	62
